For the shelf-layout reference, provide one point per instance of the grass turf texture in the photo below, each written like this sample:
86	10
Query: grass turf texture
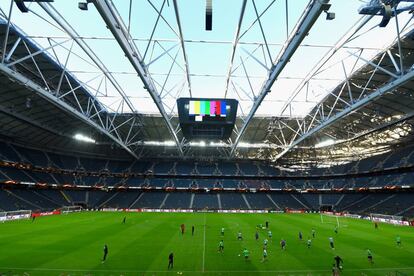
73	245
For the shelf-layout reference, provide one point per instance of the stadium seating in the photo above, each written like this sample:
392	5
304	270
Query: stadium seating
39	168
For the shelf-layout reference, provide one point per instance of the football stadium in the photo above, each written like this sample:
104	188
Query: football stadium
206	137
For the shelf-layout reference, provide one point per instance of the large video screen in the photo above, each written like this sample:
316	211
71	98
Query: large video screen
207	108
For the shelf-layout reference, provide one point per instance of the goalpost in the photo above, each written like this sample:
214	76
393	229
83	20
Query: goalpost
13	215
70	209
332	219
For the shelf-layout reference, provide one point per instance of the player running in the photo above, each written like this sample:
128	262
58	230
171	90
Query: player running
256	236
331	243
170	261
222	231
283	244
221	246
239	236
338	262
300	236
246	254
336	230
309	243
369	253
105	253
313	233
192	230
124	220
182	228
398	240
264	255
265	241
269	234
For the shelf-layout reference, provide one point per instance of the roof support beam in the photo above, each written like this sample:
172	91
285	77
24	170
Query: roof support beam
187	69
233	49
301	30
350	109
49	9
114	22
61	104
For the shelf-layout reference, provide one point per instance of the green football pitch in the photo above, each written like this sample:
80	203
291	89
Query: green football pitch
73	245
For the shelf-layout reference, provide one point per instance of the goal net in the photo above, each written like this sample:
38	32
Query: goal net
13	215
396	220
337	221
70	209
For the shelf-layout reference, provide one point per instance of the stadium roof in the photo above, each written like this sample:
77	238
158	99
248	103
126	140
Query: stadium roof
114	73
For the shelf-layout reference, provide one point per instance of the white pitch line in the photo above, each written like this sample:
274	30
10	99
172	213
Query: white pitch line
195	271
204	242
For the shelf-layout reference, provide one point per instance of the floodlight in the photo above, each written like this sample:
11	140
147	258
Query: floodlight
326	143
84	5
330	15
83	138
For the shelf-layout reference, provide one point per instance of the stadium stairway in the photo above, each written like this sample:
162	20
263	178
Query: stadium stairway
300	202
274	203
191	201
33	206
136	200
377	203
246	201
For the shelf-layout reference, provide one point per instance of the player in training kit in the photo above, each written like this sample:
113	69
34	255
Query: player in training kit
369	253
283	244
246	254
313	233
309	243
269	234
171	260
398	240
300	236
331	243
336	230
124	220
239	236
265	243
105	253
192	230
256	236
222	231
376	225
221	246
264	255
182	228
338	262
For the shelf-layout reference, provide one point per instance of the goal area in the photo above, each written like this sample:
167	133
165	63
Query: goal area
13	215
70	209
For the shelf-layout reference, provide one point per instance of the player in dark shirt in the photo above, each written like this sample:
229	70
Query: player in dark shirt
171	261
300	236
338	262
124	220
182	229
192	230
369	253
105	251
267	225
256	236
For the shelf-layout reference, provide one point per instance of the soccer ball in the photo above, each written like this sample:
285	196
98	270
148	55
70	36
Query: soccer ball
340	267
239	255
